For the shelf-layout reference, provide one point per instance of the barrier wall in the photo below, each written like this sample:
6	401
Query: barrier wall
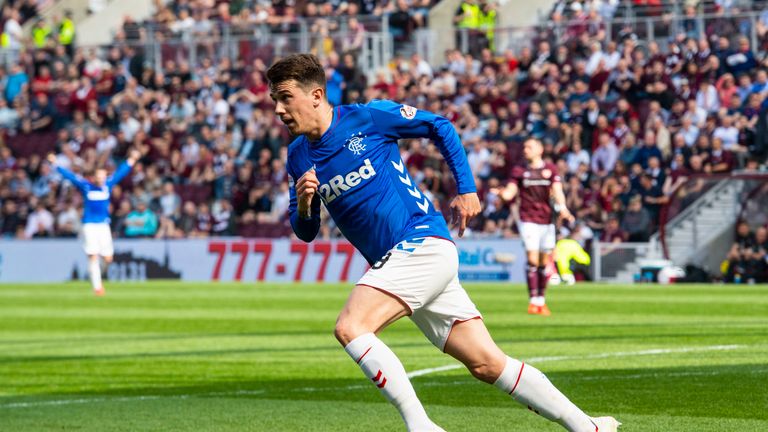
233	259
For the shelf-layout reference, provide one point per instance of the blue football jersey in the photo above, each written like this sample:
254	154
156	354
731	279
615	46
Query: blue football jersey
96	207
364	183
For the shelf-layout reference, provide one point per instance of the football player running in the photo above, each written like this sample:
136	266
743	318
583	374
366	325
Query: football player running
347	158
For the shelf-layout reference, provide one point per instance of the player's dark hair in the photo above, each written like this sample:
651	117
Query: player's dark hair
305	69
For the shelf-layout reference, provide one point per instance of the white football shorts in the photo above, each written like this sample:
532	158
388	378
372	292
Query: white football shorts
97	239
423	274
537	237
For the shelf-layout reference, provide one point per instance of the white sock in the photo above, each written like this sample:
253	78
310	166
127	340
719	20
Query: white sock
94	269
383	367
530	387
537	301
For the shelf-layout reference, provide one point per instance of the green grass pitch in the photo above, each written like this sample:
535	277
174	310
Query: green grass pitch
167	356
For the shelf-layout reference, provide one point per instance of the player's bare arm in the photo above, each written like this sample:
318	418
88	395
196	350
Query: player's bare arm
559	197
463	208
133	157
507	193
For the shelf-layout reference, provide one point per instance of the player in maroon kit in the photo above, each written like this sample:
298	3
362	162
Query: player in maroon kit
538	184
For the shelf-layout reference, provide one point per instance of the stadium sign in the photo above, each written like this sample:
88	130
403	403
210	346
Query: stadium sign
235	259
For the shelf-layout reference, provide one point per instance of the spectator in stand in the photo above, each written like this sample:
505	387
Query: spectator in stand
223	219
40	223
170	202
652	196
9	117
187	223
760	255
648	150
141	222
743	60
68	222
605	157
637	223
12	221
727	133
66	32
15	83
613	232
746	261
204	221
12	36
576	156
198	124
719	159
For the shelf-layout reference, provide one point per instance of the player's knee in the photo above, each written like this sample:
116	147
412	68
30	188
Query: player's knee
488	370
346	331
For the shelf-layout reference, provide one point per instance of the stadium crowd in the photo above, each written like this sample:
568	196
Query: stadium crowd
747	260
626	122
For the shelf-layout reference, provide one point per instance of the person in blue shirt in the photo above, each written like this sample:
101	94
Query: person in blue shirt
97	237
141	222
347	158
17	78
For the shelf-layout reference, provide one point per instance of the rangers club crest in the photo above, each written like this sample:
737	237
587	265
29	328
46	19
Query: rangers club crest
355	143
408	112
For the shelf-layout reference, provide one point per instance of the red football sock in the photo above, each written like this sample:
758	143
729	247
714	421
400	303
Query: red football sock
532	277
543	278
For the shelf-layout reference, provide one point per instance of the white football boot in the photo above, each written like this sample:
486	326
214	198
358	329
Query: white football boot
606	424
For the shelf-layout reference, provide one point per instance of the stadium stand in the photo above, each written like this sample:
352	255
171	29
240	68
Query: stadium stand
626	118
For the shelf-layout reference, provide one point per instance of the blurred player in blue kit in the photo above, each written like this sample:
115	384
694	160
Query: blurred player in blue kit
96	233
347	157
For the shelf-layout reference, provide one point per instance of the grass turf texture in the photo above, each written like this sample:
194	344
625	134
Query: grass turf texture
236	357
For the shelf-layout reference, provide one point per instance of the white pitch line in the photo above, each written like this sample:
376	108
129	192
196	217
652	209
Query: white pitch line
669	374
422	372
413	374
125	399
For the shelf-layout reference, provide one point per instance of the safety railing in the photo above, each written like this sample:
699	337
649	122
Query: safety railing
613	261
659	28
746	192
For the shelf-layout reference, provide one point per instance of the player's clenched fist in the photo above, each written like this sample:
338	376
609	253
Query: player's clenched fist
306	187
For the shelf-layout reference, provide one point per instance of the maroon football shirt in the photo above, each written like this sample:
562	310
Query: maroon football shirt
535	186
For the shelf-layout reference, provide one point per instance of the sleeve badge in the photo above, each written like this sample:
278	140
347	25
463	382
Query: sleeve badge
408	112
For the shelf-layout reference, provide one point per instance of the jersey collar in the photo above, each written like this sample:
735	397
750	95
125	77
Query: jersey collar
329	132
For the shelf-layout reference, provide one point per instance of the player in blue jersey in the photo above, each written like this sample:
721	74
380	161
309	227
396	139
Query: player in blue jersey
347	158
96	234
